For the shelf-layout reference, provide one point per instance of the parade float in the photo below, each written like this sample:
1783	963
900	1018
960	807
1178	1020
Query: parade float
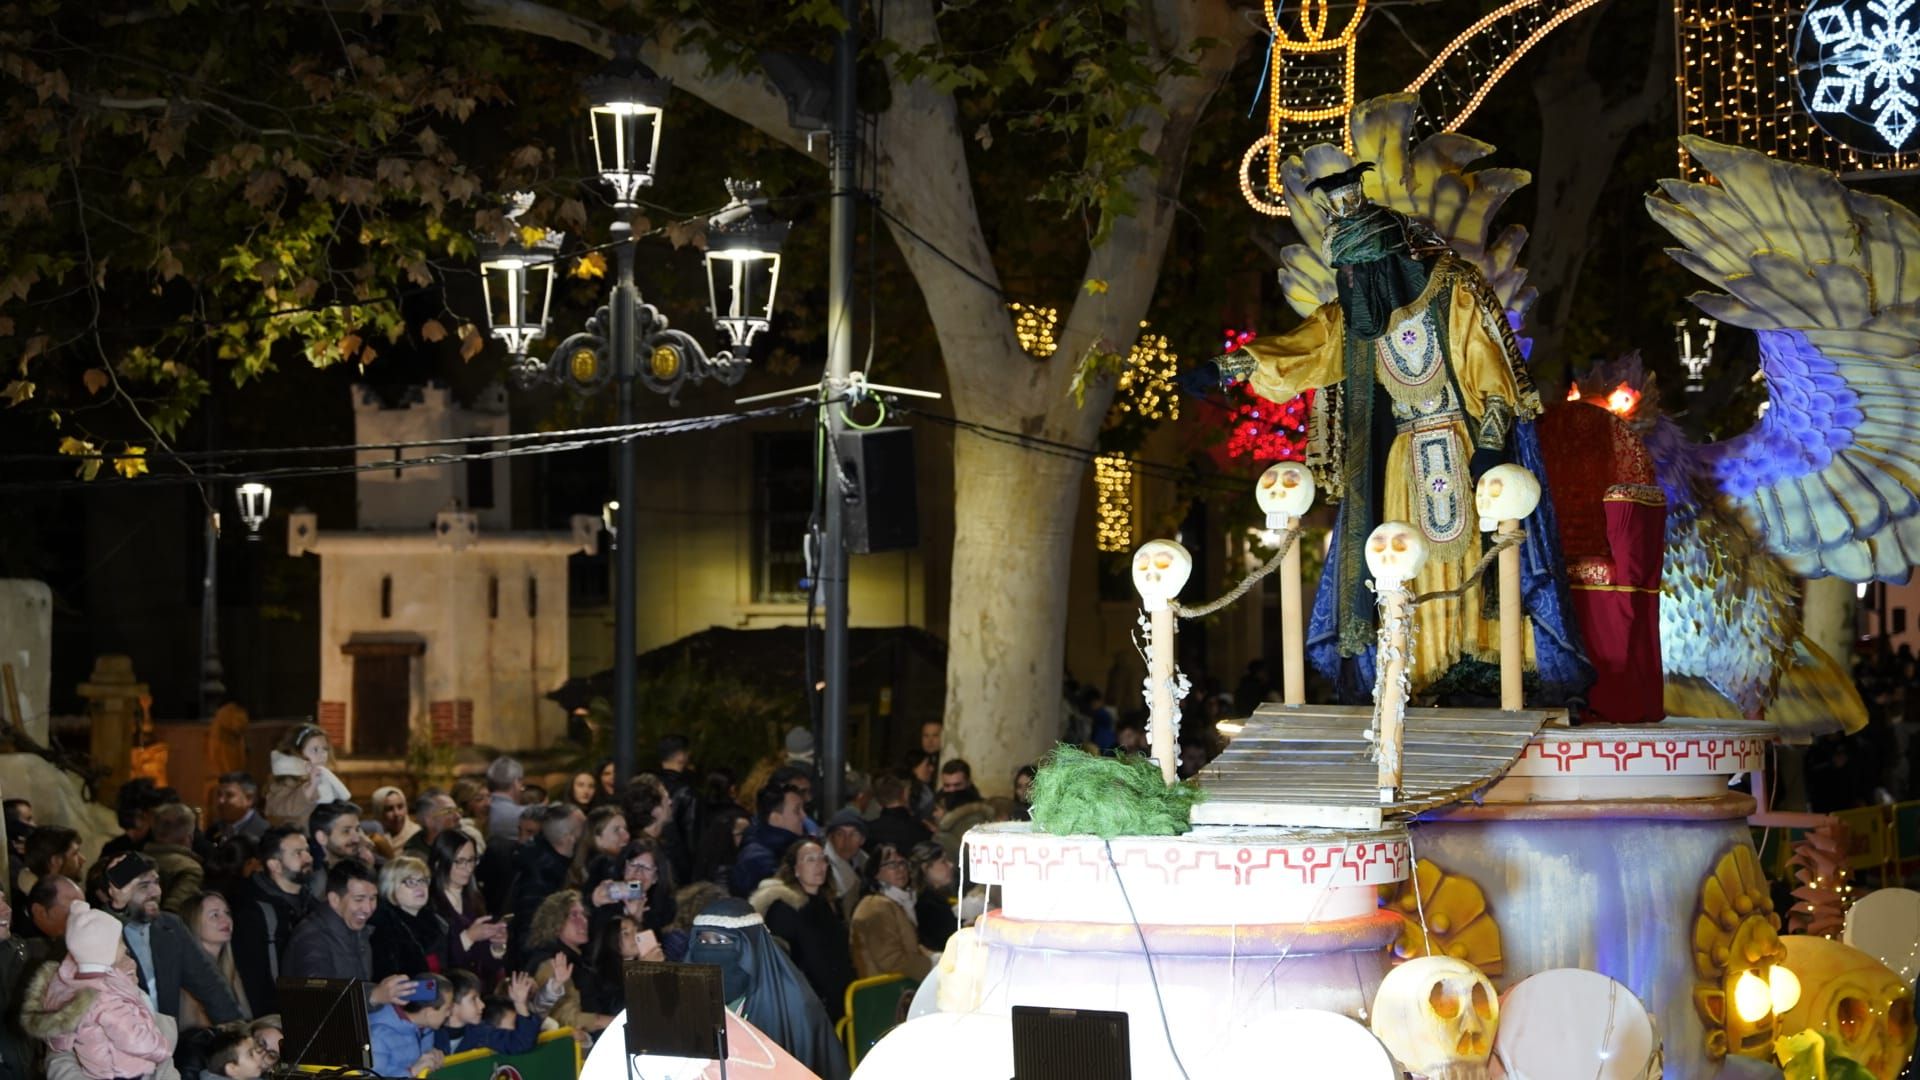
1421	867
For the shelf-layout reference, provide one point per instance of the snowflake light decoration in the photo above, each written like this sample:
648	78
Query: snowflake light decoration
1858	63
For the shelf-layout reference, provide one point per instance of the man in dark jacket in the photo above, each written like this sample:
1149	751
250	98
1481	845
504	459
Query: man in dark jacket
334	942
266	911
781	818
541	864
896	826
166	954
676	773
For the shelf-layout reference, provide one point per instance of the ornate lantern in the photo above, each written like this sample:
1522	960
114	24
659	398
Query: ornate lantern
743	262
626	102
255	500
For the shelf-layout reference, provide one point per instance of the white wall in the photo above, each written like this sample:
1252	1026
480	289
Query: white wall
503	663
410	499
26	642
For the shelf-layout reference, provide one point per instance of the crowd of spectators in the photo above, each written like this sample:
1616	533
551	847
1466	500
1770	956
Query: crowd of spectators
475	916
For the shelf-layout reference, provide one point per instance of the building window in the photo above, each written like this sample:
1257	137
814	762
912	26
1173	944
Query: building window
479	478
493	598
386	596
533	597
782	505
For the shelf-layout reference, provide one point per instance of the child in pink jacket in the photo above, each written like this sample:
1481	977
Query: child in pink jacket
92	1005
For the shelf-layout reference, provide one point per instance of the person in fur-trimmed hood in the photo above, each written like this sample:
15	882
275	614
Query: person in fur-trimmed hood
302	777
799	909
89	1005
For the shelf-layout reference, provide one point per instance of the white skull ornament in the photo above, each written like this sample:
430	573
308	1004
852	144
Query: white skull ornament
1395	553
1160	569
1438	1016
1286	493
1505	493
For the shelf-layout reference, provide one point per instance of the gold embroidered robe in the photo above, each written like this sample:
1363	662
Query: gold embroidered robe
1440	418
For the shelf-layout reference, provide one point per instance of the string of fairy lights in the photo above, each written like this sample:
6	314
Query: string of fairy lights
1034	326
1113	503
1145	388
1309	81
1461	75
1737	84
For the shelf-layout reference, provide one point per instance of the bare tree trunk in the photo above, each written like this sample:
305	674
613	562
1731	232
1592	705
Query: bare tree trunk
1006	637
1581	139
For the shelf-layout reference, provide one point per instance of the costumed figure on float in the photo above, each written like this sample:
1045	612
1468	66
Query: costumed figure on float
1421	388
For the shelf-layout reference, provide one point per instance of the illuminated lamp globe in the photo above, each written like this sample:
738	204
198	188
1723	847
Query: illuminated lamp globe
255	501
517	279
626	106
743	263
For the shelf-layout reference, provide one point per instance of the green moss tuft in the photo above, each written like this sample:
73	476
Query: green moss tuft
1081	794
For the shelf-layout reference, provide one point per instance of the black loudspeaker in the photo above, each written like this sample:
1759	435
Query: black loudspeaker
883	512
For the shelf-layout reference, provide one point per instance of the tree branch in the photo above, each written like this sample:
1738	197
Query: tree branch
1130	259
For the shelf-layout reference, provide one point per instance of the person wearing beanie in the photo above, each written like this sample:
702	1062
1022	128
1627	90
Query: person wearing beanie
89	1006
846	838
167	956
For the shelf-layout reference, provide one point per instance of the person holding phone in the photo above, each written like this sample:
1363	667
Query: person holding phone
403	1033
475	941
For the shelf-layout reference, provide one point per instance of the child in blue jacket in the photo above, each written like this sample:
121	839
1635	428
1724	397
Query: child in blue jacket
504	1025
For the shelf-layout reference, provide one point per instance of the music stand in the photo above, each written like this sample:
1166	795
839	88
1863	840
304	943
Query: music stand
1070	1044
675	1010
326	1019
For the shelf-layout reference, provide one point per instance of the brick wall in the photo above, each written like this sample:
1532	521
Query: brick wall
452	722
333	721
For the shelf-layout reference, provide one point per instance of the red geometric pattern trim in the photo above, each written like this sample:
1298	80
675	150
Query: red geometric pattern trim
1014	860
1704	756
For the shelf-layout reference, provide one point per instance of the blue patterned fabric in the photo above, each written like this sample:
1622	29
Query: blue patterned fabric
1563	669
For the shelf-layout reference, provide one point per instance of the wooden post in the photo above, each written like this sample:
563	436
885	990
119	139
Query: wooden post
1293	635
1396	602
1512	651
1164	715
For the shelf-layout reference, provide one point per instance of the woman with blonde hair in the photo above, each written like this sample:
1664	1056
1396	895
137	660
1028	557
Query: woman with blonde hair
409	937
210	918
556	936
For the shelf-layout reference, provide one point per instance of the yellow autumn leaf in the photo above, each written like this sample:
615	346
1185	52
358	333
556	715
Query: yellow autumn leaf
95	379
591	266
531	235
132	463
17	391
1095	286
89	468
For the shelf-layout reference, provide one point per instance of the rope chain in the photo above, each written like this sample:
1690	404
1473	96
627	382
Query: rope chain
1286	541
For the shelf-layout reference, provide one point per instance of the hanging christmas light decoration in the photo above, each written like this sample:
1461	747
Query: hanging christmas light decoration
1113	504
1309	89
1858	62
1146	386
1830	83
1034	326
1265	431
1460	76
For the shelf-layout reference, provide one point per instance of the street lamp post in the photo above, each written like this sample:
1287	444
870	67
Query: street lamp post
628	340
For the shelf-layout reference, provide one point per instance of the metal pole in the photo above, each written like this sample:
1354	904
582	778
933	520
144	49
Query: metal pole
626	371
832	577
212	686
